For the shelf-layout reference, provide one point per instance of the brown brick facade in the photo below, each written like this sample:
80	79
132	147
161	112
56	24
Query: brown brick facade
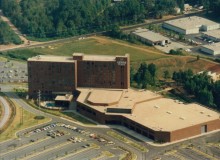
49	77
66	74
103	74
160	136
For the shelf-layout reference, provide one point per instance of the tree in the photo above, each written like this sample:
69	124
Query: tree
132	75
166	74
206	97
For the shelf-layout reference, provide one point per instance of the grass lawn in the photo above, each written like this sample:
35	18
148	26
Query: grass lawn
127	141
68	115
101	45
28	121
94	45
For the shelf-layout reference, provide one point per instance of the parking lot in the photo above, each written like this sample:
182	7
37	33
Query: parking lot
13	71
60	141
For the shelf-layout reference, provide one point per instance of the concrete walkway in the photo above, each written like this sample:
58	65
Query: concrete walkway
6	113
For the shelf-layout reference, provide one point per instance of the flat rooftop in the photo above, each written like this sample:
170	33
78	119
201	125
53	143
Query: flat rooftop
214	46
150	109
191	22
97	57
51	58
213	33
123	98
100	97
147	34
66	97
169	115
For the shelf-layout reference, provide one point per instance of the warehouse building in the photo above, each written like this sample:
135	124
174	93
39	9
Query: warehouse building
190	25
212	49
150	37
160	119
55	75
214	76
213	35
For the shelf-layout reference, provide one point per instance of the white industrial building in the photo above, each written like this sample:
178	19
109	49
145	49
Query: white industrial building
212	35
215	76
150	37
190	25
212	49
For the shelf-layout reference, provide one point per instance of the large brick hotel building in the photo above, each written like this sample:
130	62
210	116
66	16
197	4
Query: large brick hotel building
105	96
56	75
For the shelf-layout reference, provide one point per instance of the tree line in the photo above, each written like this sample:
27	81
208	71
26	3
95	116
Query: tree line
61	18
145	75
202	86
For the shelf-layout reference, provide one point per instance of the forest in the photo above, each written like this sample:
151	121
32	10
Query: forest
7	35
201	86
63	18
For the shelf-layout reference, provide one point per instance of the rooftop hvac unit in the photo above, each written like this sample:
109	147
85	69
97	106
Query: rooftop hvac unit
182	118
202	112
169	112
156	106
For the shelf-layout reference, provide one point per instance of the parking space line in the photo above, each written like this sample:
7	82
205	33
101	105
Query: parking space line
29	144
175	154
94	146
204	154
38	153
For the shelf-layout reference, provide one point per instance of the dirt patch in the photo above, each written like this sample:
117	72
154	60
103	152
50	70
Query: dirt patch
183	63
102	40
215	68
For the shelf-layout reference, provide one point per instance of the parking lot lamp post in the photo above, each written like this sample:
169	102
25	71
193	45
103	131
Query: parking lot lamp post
39	96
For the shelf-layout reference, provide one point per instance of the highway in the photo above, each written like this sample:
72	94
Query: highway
6	112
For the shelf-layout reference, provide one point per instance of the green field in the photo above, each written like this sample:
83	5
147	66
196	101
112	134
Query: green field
101	45
104	46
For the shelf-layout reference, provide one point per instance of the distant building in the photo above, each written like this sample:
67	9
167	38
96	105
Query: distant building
215	76
190	25
187	7
212	49
213	35
55	75
150	37
177	10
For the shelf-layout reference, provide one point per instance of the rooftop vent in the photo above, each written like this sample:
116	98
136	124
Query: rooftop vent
182	118
169	112
202	112
209	115
156	106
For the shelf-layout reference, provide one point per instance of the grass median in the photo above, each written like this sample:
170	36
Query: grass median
127	141
23	119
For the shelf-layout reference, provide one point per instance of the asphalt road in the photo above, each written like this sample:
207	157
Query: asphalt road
6	113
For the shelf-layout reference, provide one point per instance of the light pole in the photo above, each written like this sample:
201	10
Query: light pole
39	99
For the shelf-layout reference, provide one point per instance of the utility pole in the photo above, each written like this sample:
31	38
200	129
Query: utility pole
39	98
21	118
